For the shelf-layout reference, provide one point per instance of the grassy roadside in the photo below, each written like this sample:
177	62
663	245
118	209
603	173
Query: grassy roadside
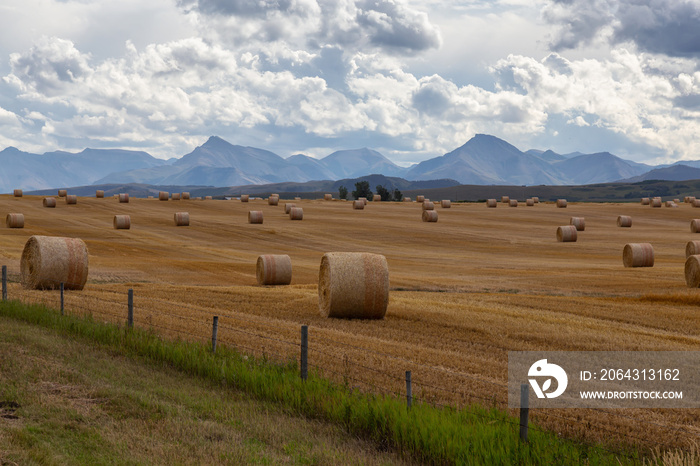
70	401
424	433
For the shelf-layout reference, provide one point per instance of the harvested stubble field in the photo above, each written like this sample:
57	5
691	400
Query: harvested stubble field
464	291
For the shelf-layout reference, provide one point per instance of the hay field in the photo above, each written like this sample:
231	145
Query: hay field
465	290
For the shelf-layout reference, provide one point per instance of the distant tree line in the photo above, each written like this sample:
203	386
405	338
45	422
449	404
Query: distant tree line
362	189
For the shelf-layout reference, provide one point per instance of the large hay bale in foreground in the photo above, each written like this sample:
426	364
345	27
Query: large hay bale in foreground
358	204
245	197
163	195
578	222
182	219
122	222
513	203
273	200
48	261
420	198
692	248
288	207
49	202
255	216
692	271
296	213
124	198
186	196
14	221
638	255
71	199
624	221
62	192
695	225
492	203
645	201
327	197
446	204
274	269
561	203
430	216
353	285
100	194
567	234
428	205
18	193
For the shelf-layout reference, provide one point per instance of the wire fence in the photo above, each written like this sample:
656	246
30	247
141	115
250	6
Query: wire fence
332	356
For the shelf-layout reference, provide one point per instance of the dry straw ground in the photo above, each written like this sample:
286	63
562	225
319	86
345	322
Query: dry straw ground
465	291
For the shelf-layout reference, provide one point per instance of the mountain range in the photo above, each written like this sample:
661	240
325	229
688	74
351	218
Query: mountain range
483	160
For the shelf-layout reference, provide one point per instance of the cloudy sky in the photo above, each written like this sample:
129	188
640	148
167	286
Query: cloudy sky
412	79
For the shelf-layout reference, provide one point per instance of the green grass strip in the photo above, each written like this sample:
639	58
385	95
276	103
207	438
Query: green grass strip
435	435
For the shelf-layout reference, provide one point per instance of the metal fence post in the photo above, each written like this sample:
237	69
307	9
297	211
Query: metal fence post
304	351
61	298
4	283
409	393
524	410
214	331
130	316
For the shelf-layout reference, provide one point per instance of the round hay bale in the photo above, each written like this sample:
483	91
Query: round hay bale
376	198
656	202
274	269
209	198
638	255
275	195
62	193
505	199
624	221
255	216
529	202
175	196
14	221
358	204
420	198
327	197
645	201
100	194
446	204
491	203
48	261
428	205
513	203
296	213
299	199
163	195
692	271
49	202
272	200
567	234
536	200
353	285
691	199
18	193
182	219
124	198
692	248
363	199
677	201
695	226
407	199
186	196
245	197
561	203
579	223
288	207
71	199
430	216
695	203
122	222
669	203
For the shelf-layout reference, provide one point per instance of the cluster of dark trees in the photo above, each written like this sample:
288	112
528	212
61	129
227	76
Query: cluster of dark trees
362	189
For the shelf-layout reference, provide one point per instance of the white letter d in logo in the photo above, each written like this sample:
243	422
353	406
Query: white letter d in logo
543	369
